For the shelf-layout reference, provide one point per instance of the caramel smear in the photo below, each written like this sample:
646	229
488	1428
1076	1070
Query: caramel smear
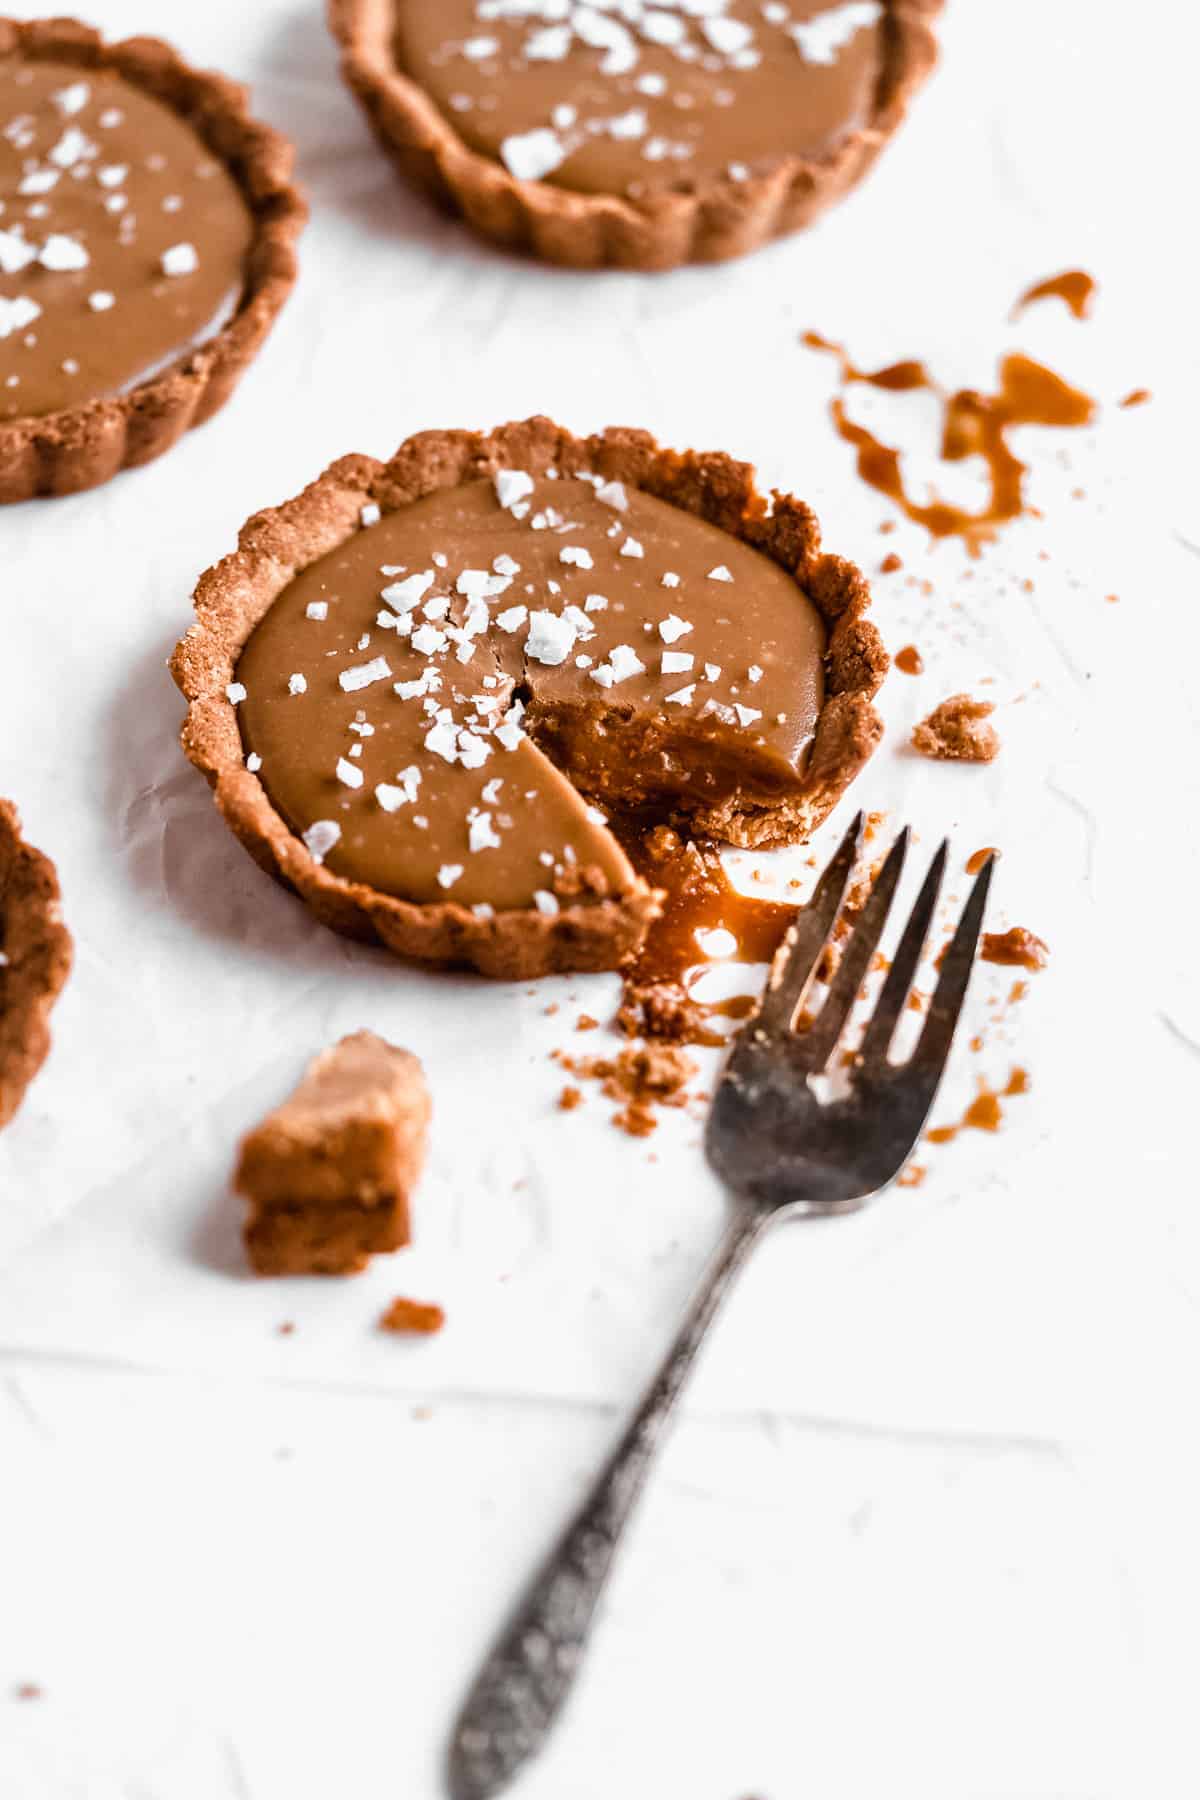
973	424
700	899
985	1112
1074	287
413	1318
1014	948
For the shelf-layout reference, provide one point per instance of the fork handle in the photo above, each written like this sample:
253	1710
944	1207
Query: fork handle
530	1671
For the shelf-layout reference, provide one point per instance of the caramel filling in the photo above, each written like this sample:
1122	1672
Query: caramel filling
641	99
123	240
430	704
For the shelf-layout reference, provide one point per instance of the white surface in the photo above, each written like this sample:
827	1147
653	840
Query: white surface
927	1527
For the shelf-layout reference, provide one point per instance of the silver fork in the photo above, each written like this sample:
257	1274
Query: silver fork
783	1152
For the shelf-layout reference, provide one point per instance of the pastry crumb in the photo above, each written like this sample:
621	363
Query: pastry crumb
958	731
570	1099
419	1318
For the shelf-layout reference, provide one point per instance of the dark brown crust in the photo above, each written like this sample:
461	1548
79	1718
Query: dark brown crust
38	947
66	452
275	545
722	219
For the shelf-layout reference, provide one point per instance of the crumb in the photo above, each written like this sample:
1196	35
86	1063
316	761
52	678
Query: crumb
910	1176
887	526
1136	397
585	1022
1112	599
890	564
1017	948
415	1316
909	660
957	731
662	1010
286	1329
551	1009
422	1413
28	1690
569	1099
874	824
640	1077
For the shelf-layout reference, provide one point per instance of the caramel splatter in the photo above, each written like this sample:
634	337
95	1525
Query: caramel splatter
976	861
1015	948
1136	397
1074	287
973	424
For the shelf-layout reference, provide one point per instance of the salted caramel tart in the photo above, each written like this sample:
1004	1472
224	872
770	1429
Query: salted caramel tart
35	959
147	227
644	134
423	690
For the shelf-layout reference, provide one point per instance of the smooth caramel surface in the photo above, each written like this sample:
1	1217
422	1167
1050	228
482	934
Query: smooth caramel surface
566	615
643	99
123	239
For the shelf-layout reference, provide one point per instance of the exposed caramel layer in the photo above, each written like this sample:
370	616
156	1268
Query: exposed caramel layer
123	239
661	103
658	661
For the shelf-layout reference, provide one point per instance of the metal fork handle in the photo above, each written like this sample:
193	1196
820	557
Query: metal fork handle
530	1672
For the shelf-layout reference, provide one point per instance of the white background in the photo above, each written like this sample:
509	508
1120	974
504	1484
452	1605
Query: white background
927	1528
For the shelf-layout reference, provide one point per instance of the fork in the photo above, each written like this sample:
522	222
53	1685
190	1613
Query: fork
783	1152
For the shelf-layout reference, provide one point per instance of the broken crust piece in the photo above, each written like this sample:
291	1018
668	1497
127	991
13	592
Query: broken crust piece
421	1318
600	921
956	731
328	1174
35	959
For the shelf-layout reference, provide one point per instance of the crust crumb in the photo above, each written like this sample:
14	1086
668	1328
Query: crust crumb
957	731
421	1318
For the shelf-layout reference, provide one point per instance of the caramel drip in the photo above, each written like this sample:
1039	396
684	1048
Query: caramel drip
909	660
973	424
700	897
1074	287
985	1112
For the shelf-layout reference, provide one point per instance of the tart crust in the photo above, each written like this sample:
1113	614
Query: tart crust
83	446
596	931
723	219
38	947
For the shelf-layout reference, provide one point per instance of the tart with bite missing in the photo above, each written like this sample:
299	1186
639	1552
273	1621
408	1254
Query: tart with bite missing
435	696
35	959
147	243
640	135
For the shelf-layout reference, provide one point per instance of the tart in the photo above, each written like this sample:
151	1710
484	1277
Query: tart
35	959
147	243
421	689
328	1175
644	135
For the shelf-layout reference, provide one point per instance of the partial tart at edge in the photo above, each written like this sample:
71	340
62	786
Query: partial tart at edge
83	445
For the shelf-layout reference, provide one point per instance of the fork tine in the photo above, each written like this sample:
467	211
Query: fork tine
827	1028
933	1046
797	956
879	1033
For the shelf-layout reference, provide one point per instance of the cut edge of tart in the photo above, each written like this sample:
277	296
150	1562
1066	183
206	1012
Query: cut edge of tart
724	218
596	927
83	446
38	953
